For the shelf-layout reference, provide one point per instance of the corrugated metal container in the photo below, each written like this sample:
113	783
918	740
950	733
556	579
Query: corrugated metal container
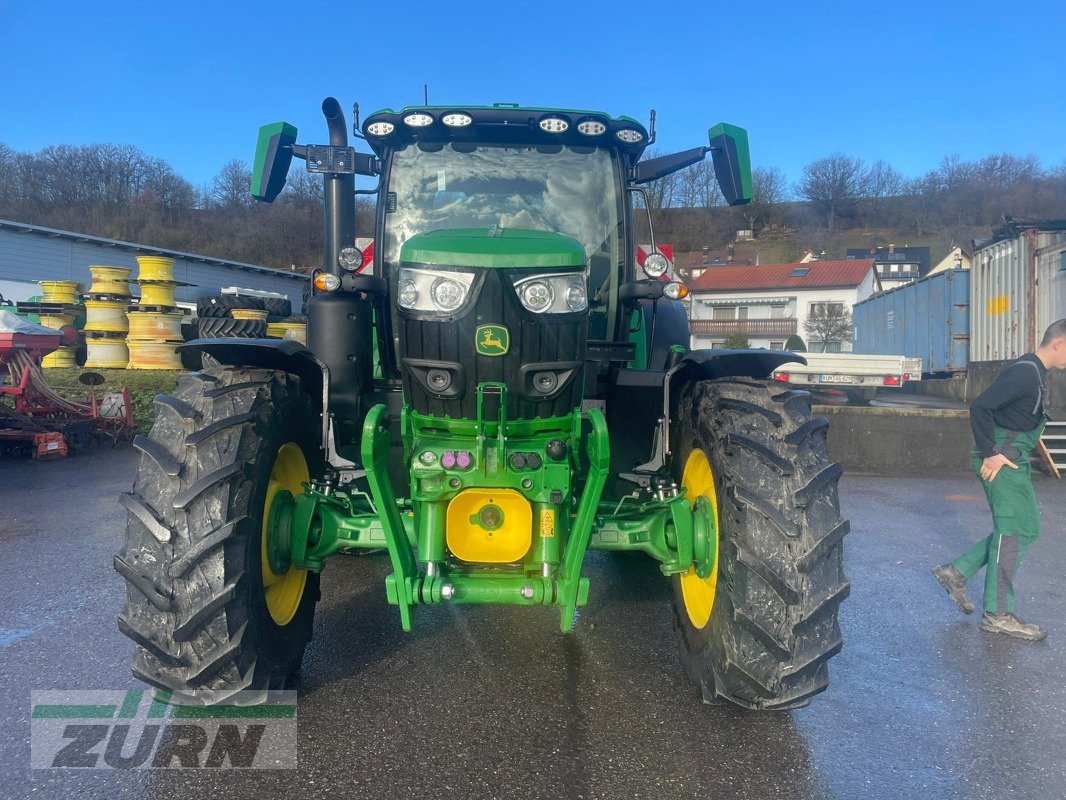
1016	292
1051	270
927	319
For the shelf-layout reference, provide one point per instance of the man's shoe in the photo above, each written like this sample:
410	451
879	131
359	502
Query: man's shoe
1010	625
955	583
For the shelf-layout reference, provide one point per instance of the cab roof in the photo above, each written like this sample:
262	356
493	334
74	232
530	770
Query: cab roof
504	123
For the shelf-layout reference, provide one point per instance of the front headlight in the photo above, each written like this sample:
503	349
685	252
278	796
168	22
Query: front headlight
432	291
564	293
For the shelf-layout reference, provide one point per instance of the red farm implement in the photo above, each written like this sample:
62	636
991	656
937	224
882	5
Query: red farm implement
34	417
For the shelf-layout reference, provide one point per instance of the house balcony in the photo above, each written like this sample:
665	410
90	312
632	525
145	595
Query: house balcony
748	327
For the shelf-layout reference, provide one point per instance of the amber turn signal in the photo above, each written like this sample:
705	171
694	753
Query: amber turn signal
326	282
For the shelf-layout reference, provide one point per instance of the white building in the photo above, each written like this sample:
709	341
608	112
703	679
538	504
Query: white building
769	303
896	266
957	258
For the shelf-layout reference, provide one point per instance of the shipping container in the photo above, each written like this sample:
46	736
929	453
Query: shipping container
1017	288
928	319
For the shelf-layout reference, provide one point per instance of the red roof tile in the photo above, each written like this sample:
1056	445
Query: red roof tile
780	276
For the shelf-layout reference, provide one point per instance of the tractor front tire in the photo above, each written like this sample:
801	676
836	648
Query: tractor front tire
772	624
205	622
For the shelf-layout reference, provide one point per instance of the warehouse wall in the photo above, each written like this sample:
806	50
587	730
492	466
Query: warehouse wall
26	258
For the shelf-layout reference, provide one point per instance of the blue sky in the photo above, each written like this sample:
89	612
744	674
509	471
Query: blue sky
909	82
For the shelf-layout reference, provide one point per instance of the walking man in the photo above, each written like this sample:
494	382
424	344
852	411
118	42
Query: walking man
1007	420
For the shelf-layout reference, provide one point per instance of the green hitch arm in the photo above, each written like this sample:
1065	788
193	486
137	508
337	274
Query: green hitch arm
599	452
375	452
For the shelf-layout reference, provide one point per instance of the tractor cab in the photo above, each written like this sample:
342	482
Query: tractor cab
504	168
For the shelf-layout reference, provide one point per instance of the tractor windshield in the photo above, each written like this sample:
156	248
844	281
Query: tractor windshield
568	190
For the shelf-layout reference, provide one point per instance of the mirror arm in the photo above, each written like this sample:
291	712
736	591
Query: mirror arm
655	168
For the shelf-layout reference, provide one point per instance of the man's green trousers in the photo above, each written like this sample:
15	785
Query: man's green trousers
1015	517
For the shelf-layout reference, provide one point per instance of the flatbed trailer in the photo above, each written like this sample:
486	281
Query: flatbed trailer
858	375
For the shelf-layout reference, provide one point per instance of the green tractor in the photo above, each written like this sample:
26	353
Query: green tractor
504	392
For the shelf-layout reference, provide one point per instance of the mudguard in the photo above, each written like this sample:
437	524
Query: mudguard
280	354
698	365
722	363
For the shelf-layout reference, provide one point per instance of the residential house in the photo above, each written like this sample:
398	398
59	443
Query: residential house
769	303
693	264
896	266
957	258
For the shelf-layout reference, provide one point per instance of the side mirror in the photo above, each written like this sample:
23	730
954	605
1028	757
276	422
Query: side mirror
732	162
273	155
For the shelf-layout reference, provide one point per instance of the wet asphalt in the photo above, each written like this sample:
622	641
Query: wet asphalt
495	702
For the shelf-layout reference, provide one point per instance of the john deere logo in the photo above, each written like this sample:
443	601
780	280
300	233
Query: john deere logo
492	340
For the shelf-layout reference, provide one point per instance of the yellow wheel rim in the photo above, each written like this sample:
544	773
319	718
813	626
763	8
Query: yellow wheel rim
283	592
696	592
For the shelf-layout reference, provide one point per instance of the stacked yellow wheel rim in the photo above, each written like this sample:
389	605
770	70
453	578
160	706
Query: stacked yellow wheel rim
155	323
156	279
110	281
157	293
105	331
65	292
153	355
154	326
297	331
63	356
155	268
248	313
105	317
106	350
153	338
64	296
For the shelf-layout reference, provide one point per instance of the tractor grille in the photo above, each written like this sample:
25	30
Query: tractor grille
534	340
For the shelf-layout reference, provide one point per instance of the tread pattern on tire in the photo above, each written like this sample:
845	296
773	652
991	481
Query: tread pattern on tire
781	571
220	305
226	328
193	609
277	308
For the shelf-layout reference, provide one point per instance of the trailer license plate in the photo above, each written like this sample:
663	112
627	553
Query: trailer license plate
836	378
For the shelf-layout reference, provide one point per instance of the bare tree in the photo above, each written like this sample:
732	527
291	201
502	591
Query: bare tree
884	180
231	187
303	189
832	184
768	190
828	322
9	178
171	191
696	187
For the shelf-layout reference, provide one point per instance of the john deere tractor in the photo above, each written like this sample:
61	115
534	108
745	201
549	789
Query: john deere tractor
502	392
